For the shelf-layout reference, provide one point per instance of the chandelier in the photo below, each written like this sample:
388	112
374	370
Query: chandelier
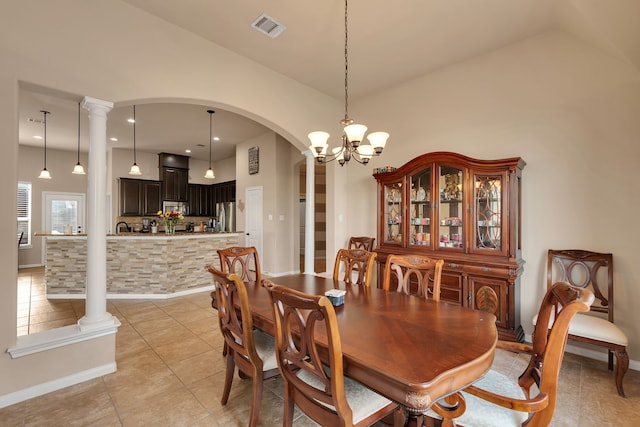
352	133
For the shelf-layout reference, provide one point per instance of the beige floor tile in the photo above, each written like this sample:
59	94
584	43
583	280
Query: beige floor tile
150	327
200	366
186	347
175	408
12	416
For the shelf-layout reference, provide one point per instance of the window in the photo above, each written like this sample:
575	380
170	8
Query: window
24	211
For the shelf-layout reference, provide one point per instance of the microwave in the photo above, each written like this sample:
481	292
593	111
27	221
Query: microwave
181	207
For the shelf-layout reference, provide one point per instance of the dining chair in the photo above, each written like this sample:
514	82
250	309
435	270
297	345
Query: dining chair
495	399
594	271
415	274
356	266
318	387
252	351
243	261
362	242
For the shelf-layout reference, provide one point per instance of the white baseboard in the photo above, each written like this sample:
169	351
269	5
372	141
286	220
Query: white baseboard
30	266
57	384
207	288
601	355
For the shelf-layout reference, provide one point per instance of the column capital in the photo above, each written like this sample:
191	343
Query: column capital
93	104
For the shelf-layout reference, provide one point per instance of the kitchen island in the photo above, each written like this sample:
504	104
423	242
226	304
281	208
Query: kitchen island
139	265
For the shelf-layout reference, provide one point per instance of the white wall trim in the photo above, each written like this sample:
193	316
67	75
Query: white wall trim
57	384
59	337
207	288
592	354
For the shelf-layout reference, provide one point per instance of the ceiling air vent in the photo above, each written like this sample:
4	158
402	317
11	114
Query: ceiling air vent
267	25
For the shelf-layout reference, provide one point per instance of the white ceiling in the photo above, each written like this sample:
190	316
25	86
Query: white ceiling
389	42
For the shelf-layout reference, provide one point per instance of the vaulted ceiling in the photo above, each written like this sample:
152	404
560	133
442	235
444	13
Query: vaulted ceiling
389	43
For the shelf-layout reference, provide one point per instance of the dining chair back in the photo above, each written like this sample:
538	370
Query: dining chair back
415	274
496	399
354	266
242	261
313	372
361	242
252	351
594	271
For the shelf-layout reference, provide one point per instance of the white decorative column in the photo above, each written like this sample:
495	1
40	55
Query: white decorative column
309	215
96	315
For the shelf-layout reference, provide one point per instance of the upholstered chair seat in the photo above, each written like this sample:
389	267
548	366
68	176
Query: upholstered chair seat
487	414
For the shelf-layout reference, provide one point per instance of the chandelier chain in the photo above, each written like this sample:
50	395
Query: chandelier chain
346	65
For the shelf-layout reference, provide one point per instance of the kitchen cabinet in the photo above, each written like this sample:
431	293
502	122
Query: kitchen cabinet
139	197
466	211
175	184
200	200
224	192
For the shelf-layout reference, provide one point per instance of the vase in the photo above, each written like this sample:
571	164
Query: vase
170	228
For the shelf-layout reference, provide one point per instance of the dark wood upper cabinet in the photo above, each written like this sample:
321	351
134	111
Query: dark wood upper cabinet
175	184
174	174
139	197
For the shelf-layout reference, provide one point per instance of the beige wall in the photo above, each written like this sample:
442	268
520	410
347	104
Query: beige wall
569	109
571	112
165	63
276	175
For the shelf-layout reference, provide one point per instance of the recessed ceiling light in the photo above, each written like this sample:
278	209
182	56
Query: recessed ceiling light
216	138
187	150
113	138
37	137
131	120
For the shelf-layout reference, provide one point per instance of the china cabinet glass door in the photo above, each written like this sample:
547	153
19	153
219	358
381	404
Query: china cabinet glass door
420	207
488	208
450	226
393	213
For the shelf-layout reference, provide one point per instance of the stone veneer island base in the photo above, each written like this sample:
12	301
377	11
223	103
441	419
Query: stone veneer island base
138	265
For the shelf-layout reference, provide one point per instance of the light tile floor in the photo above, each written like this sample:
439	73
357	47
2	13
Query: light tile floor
171	372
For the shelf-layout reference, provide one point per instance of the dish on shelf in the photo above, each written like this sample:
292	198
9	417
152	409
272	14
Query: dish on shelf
421	194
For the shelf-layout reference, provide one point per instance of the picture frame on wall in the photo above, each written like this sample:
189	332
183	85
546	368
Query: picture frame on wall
254	160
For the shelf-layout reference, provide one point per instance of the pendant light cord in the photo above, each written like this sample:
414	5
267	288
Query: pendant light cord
44	113
78	133
210	133
134	134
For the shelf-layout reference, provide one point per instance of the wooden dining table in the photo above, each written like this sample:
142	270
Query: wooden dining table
412	350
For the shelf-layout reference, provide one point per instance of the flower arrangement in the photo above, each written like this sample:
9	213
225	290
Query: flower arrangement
170	218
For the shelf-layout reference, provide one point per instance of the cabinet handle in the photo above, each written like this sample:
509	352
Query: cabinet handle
469	298
485	269
453	265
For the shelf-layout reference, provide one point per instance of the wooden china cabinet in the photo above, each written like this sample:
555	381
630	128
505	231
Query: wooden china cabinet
466	211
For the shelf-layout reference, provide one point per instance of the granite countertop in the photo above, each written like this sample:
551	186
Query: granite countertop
137	234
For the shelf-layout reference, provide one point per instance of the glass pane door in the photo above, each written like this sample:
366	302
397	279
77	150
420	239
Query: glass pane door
451	232
420	206
488	208
393	213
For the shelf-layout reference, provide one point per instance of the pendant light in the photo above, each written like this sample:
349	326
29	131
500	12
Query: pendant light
210	174
44	174
78	169
135	169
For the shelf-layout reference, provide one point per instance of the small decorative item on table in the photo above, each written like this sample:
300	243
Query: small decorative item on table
170	218
336	296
